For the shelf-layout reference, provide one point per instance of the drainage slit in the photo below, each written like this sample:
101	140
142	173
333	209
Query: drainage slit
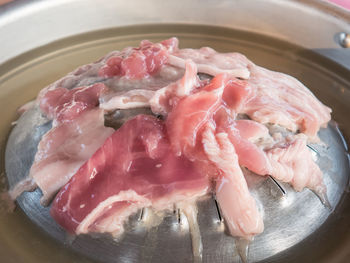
141	214
279	186
178	214
218	210
312	148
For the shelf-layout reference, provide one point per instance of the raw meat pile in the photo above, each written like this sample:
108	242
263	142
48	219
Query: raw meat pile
200	135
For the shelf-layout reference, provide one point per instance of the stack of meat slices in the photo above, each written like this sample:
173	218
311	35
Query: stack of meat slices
198	146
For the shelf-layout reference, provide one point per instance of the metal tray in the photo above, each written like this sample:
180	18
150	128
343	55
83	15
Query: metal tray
76	33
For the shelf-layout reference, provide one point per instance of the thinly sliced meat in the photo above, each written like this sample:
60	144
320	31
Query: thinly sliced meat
25	185
127	100
135	165
192	113
283	100
166	98
251	130
237	205
243	134
109	215
141	67
148	162
236	94
186	120
63	105
64	148
141	62
158	100
188	128
210	62
77	132
292	163
249	154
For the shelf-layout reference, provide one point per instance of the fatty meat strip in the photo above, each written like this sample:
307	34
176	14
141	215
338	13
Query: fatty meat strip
237	205
281	99
292	162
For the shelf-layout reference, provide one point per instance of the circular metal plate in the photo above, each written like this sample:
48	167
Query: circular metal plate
22	77
142	245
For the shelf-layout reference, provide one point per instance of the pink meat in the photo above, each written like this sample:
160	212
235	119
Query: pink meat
251	130
134	165
292	163
141	62
283	100
141	67
237	205
211	62
149	162
192	113
63	105
236	94
166	98
127	100
78	131
192	125
249	154
162	100
64	148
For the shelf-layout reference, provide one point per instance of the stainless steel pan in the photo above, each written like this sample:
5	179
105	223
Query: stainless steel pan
43	40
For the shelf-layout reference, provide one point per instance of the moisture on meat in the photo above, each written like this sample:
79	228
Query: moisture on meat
281	99
237	205
211	62
198	146
292	162
77	132
64	148
134	168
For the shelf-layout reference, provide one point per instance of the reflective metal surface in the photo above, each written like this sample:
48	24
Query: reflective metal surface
51	20
289	217
22	77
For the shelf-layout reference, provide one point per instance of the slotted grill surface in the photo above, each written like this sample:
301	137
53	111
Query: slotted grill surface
289	217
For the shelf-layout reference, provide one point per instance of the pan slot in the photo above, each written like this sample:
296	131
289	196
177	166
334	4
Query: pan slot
312	149
282	191
141	215
178	216
221	220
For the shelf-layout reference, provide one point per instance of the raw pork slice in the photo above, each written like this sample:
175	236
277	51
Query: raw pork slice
64	105
64	148
137	98
237	205
166	98
249	154
192	126
77	132
141	62
149	162
192	113
292	162
134	68
134	168
281	99
211	104
210	62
